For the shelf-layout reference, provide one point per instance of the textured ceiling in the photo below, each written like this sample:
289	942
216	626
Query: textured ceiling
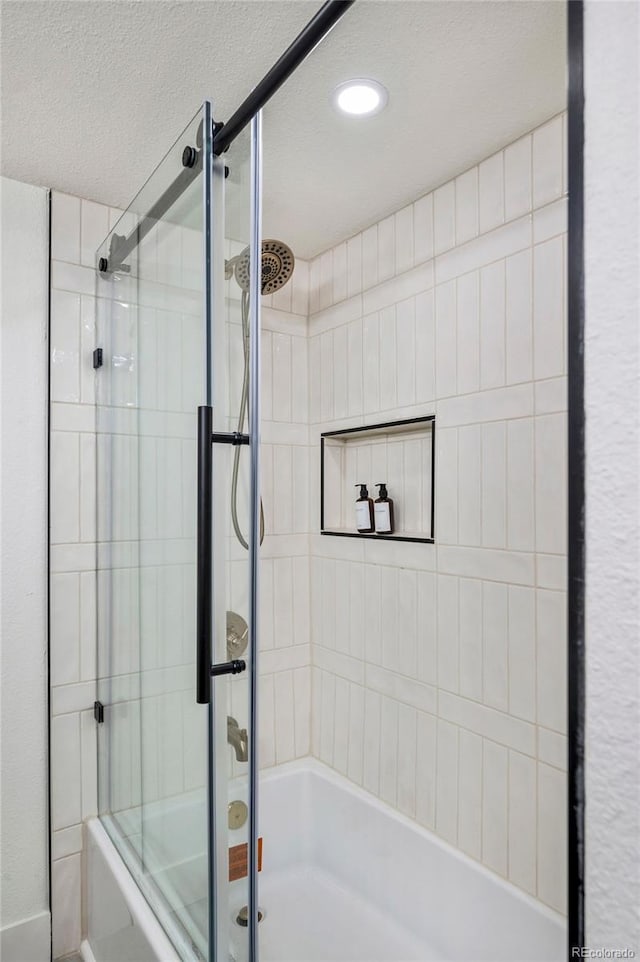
93	94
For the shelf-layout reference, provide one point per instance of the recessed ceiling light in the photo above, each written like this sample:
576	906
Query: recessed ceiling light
360	98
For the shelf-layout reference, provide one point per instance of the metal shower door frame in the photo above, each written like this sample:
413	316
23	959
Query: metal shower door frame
255	328
213	312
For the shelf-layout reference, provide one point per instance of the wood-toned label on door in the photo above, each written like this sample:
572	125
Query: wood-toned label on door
239	860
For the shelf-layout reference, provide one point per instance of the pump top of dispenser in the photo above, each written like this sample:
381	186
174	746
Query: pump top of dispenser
383	489
363	490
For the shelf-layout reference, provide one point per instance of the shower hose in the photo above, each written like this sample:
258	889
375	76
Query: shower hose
241	419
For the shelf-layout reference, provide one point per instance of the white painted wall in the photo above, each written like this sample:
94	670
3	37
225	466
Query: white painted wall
612	384
24	901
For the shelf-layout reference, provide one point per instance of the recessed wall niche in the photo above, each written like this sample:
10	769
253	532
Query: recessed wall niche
400	454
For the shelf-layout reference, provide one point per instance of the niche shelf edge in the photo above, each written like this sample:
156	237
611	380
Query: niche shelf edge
380	430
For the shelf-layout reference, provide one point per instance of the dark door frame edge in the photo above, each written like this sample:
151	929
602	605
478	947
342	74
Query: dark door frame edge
576	484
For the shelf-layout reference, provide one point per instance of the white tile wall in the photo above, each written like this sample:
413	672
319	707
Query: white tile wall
65	904
491	177
438	679
75	228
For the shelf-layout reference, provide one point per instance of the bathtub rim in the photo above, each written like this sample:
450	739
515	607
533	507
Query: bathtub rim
132	894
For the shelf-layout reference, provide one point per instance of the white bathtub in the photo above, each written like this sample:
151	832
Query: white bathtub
345	879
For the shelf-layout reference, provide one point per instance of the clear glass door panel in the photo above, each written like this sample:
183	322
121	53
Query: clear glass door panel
232	583
151	327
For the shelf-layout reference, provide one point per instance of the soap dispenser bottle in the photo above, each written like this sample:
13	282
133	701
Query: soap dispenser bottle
364	511
383	511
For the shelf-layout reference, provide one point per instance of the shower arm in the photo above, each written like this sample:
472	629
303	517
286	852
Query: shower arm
224	134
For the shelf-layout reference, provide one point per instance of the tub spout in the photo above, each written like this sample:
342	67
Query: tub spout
238	739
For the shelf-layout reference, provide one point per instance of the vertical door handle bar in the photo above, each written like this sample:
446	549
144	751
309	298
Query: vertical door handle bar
204	606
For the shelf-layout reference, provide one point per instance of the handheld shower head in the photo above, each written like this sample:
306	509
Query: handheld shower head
277	266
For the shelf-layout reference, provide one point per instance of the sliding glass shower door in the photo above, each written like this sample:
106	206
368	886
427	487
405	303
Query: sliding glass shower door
173	744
